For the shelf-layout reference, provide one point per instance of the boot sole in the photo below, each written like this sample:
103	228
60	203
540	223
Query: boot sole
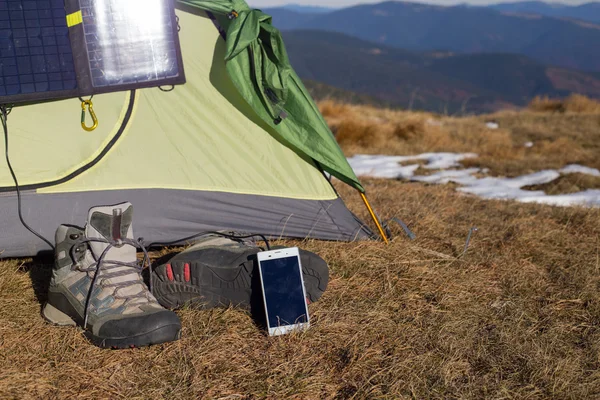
164	334
208	287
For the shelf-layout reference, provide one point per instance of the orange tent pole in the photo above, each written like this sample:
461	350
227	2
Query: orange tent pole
375	219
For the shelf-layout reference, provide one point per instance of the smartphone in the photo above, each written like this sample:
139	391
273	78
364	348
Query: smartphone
283	290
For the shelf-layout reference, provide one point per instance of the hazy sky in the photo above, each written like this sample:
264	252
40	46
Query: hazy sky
343	3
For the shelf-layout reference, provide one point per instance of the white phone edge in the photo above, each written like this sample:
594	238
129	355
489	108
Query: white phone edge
273	255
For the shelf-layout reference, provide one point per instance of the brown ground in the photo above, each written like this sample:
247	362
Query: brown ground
517	316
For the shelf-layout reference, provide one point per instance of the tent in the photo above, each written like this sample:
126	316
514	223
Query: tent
241	146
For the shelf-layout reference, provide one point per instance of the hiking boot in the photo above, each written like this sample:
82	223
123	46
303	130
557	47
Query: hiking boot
218	271
96	284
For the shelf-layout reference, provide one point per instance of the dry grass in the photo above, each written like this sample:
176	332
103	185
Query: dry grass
575	103
331	108
557	139
518	316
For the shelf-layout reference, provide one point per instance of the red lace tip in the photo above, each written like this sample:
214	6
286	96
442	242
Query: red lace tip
170	275
186	272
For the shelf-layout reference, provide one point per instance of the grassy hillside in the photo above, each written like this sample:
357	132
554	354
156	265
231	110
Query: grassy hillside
562	132
439	82
320	91
517	316
462	29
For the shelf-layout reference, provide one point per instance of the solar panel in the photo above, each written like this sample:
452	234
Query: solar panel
119	45
35	51
123	49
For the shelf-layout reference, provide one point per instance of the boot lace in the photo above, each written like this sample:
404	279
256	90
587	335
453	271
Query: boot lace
105	266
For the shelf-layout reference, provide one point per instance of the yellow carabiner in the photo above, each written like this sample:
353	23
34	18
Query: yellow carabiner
90	107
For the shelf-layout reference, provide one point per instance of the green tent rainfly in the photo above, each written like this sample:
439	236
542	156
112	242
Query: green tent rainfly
258	65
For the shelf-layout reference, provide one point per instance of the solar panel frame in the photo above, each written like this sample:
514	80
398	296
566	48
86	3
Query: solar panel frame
84	63
49	61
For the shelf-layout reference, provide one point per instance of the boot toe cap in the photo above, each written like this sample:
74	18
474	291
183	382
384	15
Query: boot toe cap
159	325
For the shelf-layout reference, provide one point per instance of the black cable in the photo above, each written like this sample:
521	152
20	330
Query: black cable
4	115
197	235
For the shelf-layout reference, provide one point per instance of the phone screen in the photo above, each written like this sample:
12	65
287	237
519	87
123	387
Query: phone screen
283	291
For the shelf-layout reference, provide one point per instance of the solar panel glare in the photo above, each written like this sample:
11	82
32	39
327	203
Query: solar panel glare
129	42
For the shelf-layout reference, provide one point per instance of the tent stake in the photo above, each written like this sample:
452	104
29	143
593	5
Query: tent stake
375	219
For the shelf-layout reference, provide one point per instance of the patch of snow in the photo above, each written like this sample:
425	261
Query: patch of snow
444	160
487	187
588	198
511	189
389	166
573	168
537	178
381	166
460	176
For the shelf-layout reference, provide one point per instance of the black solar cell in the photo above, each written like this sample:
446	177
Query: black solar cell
35	51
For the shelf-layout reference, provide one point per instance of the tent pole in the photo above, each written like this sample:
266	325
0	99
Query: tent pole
375	219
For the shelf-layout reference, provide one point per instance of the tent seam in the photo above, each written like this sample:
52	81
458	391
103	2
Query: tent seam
326	210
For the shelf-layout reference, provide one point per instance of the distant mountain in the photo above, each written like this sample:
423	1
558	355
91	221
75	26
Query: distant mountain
586	12
308	9
285	19
460	29
436	81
